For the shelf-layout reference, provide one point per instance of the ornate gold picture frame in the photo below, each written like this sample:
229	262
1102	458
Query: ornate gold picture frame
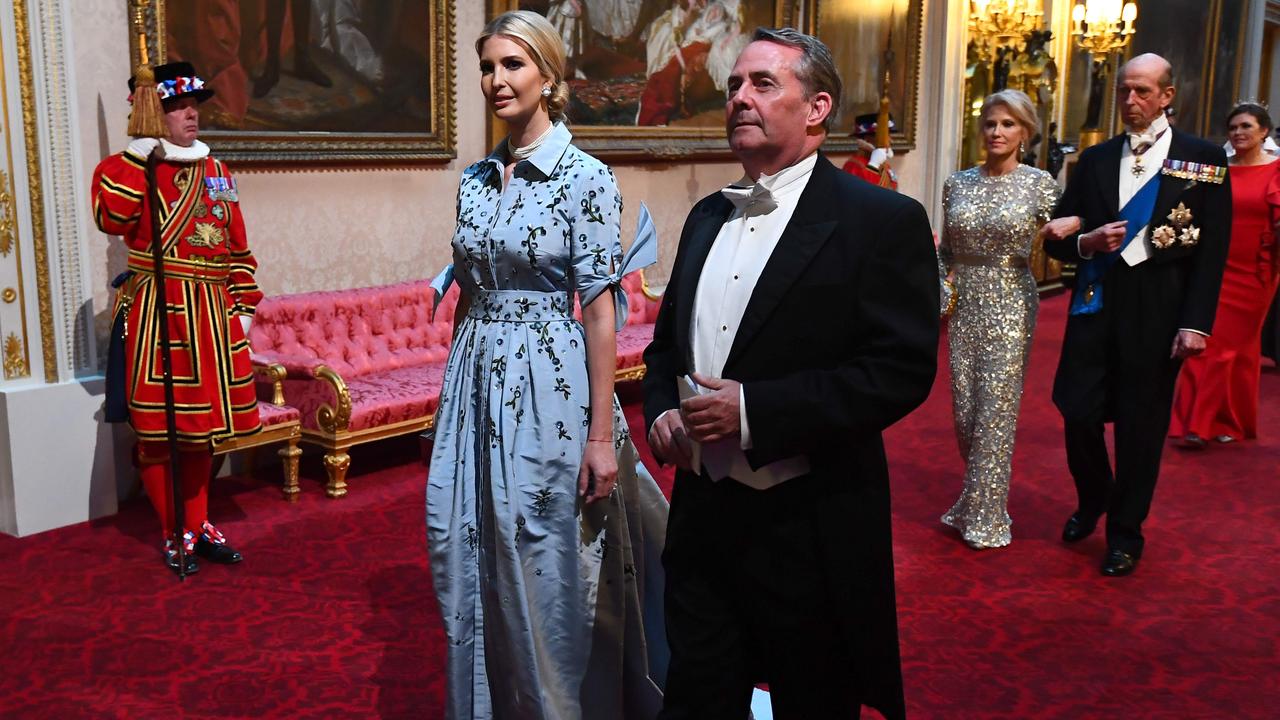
862	35
298	81
646	77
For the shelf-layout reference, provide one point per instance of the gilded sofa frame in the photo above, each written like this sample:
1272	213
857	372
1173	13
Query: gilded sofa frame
288	433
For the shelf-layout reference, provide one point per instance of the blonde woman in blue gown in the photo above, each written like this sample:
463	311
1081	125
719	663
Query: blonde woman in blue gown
544	532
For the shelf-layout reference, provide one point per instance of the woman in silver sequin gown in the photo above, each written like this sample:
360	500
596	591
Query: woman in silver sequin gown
992	215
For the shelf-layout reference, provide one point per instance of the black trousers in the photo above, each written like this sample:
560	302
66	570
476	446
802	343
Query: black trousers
1116	367
746	603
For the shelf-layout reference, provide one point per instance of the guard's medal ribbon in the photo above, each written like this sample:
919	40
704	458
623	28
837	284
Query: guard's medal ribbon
221	189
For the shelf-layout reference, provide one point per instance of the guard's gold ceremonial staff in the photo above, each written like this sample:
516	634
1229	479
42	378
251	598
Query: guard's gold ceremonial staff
147	120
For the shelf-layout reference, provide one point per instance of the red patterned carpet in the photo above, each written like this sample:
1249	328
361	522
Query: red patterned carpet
332	616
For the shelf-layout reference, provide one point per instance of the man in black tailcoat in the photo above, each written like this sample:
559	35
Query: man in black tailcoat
1154	205
801	320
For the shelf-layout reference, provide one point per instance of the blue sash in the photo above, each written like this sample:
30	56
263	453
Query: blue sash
1088	297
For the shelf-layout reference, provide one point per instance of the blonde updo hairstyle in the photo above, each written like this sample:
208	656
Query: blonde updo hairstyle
1018	105
536	35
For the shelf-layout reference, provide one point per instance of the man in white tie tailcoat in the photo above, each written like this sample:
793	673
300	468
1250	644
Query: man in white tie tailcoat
800	321
1153	206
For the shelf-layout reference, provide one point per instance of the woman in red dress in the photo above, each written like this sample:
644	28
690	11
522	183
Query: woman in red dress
1217	395
210	289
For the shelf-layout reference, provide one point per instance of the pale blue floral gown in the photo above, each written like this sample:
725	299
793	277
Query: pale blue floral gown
551	609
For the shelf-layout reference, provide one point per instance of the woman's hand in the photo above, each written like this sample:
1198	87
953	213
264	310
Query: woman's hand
599	470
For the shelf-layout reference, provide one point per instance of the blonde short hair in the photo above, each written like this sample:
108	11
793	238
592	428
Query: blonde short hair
536	35
1018	105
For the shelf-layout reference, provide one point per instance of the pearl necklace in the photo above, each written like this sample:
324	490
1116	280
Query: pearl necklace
523	153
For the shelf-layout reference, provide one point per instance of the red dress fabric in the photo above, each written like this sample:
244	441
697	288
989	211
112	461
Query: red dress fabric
1217	391
665	91
209	281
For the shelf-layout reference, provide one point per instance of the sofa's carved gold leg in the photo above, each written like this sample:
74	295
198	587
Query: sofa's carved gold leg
250	459
289	455
336	464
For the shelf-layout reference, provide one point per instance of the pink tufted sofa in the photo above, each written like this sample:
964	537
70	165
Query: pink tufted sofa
366	364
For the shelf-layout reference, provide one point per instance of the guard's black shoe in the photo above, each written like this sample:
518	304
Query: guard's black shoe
1078	528
171	559
222	553
171	553
1119	563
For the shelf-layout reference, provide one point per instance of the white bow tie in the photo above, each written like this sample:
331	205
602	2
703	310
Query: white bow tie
1141	142
757	196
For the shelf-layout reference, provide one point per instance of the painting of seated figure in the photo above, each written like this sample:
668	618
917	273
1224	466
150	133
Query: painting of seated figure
317	80
648	77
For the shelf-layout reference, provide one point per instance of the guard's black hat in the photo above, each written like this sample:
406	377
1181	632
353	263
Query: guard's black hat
866	124
177	80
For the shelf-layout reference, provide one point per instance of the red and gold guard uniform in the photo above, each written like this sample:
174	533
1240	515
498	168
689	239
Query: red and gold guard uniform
859	164
208	283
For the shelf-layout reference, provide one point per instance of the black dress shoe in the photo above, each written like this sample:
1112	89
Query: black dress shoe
1077	528
172	561
1119	563
222	554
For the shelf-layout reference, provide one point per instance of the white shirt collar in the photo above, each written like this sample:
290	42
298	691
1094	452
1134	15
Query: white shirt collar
785	179
1157	126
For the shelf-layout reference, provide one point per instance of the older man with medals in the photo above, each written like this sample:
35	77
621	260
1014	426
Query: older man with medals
210	294
1154	206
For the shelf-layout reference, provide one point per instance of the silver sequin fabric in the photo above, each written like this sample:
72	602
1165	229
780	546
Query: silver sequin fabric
990	333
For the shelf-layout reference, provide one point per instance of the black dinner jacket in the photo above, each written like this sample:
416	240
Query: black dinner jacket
839	340
1093	193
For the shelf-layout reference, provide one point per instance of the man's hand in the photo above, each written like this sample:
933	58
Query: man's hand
1187	344
1103	239
715	415
670	442
1061	228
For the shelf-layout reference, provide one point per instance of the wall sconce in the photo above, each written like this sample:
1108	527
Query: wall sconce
1103	26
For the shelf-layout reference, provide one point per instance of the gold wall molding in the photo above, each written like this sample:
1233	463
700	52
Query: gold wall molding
45	76
15	357
65	196
30	129
17	362
8	218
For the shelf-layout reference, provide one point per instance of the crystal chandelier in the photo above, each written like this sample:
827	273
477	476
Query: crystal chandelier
1103	26
994	24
